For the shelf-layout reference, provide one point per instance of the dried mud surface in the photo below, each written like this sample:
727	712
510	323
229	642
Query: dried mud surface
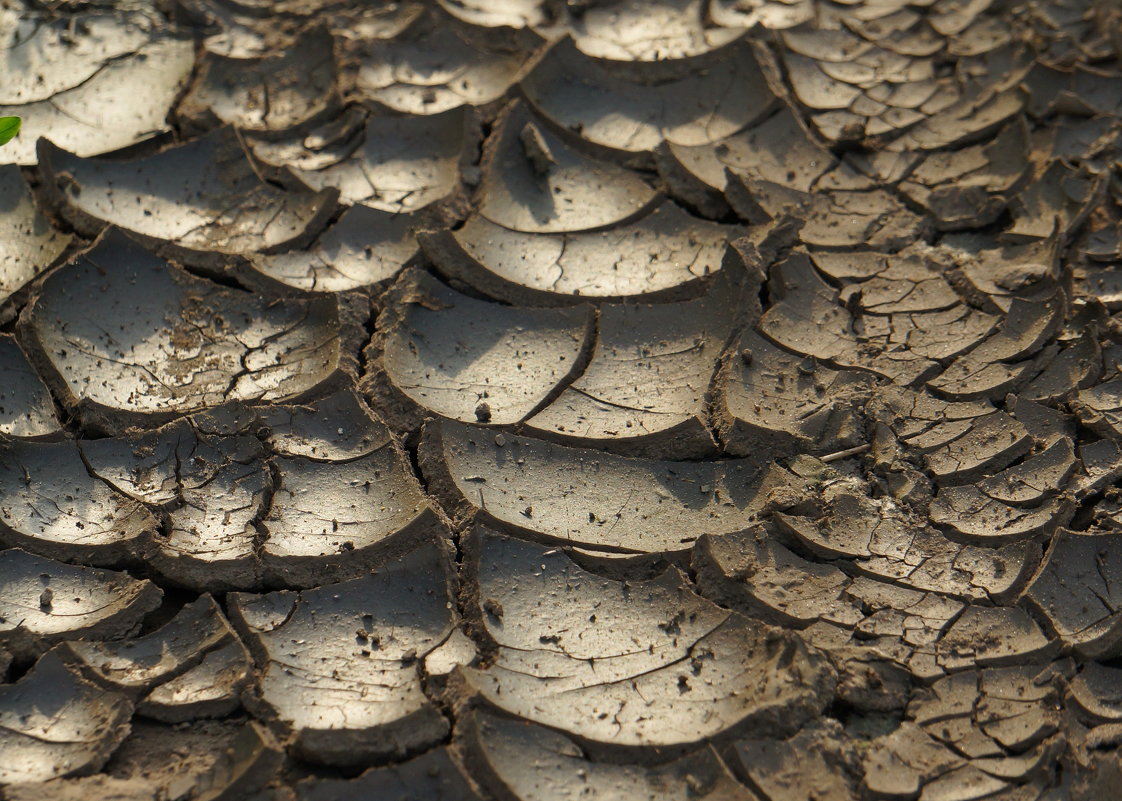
541	400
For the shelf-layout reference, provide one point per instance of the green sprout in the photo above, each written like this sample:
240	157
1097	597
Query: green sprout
9	127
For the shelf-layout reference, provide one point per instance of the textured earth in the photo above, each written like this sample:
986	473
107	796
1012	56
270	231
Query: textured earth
529	400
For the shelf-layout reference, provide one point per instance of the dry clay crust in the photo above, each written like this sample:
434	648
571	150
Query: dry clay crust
524	400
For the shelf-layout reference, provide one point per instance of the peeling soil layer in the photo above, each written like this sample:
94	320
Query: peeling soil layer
543	400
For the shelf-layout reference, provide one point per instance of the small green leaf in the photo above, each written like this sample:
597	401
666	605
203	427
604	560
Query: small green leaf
9	127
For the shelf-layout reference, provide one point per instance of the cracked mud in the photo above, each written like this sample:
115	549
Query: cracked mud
541	400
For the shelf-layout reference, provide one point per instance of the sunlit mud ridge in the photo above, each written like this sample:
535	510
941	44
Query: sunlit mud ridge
531	400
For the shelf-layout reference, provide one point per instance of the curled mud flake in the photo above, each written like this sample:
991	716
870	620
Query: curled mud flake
976	517
210	545
820	761
1078	591
111	86
1080	139
160	342
156	466
647	30
1101	242
967	188
329	521
994	637
1055	202
1015	503
967	783
777	403
634	110
899	764
814	88
365	21
840	218
136	665
365	247
877	75
399	164
337	428
210	689
201	199
1078	365
278	91
645	390
498	13
891	647
992	442
29	243
458	650
1047	426
922	632
50	504
212	488
1007	358
635	654
347	700
1100	408
437	64
829	46
232	758
922	421
314	146
904	283
853	526
999	718
54	724
962	121
753	572
883	543
809	317
1095	693
621	566
1094	88
934	336
958	207
770	14
84	602
664	255
805	315
777	150
1105	285
996	273
615	503
1101	463
971	377
932	562
44	58
26	407
434	775
571	192
212	760
236	31
1104	514
452	354
530	763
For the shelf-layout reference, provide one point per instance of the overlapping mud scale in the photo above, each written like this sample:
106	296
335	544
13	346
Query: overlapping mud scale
540	400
